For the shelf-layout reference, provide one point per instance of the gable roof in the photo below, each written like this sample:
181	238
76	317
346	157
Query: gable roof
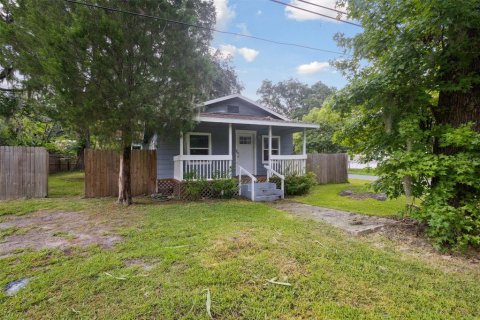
239	96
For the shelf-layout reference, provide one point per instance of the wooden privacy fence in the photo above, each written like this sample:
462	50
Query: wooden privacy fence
23	172
328	167
101	172
59	163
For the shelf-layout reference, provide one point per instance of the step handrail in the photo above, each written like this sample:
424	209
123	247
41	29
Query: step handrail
281	176
252	178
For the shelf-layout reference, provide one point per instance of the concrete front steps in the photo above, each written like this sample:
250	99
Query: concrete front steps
263	191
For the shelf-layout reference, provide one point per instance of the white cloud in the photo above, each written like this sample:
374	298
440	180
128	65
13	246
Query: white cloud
259	12
301	15
229	51
248	54
224	12
243	29
312	67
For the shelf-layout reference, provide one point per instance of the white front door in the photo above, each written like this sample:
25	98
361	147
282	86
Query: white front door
246	151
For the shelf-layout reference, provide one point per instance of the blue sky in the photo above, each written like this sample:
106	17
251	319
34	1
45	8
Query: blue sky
255	60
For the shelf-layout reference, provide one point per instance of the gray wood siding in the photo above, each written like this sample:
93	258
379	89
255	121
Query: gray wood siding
167	149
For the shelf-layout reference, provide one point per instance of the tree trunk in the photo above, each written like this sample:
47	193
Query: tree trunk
456	109
124	185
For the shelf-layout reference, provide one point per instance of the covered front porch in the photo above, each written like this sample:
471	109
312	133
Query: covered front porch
225	150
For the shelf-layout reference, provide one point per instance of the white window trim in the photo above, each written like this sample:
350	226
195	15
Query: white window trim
266	148
187	136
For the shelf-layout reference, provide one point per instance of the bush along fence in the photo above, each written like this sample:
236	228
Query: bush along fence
23	172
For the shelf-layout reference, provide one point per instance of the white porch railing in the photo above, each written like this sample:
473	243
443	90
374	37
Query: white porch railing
289	164
252	181
271	172
196	167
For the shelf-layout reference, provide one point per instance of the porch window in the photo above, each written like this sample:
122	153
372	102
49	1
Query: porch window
199	143
275	147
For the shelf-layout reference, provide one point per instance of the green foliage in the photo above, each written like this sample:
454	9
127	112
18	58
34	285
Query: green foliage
217	188
413	105
321	140
113	74
296	185
292	97
192	189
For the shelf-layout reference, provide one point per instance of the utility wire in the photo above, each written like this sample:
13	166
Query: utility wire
316	13
201	27
320	6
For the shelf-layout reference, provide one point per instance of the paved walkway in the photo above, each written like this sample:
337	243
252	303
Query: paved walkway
362	177
355	224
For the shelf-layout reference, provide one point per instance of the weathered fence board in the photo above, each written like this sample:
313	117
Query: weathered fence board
23	172
101	172
59	163
329	168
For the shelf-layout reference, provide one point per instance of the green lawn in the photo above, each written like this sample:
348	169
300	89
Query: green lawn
327	196
232	248
365	171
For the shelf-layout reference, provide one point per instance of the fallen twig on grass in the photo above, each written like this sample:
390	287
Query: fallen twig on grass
118	278
274	281
208	303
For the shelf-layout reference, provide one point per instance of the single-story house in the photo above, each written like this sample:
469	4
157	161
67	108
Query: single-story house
235	137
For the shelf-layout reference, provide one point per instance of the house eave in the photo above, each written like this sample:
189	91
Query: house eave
258	122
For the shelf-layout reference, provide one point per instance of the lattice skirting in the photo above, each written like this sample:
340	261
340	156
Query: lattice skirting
177	189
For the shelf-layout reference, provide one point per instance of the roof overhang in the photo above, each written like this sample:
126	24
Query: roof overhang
279	123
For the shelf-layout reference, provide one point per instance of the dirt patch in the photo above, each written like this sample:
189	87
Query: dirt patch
57	230
355	224
407	236
141	263
363	195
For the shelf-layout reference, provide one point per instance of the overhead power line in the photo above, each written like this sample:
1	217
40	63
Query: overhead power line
324	7
187	24
316	13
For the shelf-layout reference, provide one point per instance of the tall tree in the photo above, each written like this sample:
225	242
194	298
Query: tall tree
322	140
292	97
416	105
113	73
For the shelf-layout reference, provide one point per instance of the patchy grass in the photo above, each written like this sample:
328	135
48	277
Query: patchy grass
7	232
327	196
232	248
364	171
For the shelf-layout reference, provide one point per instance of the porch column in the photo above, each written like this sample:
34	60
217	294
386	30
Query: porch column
180	162
304	141
304	161
181	143
230	146
270	147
